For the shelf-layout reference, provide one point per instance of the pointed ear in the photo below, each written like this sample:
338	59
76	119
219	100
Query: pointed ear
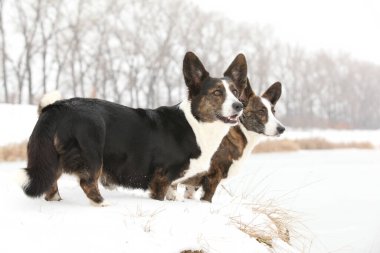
246	94
237	71
194	73
273	93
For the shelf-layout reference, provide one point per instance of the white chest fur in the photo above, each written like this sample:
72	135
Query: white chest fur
252	140
208	136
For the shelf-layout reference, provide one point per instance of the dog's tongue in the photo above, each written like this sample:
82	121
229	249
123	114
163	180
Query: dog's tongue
233	117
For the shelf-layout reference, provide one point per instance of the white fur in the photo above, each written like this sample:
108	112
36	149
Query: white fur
175	193
50	98
103	204
208	137
227	109
273	123
22	178
56	197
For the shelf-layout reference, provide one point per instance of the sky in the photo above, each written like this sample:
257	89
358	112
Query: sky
351	26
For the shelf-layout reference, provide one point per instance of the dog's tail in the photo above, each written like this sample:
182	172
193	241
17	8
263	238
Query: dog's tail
48	99
42	167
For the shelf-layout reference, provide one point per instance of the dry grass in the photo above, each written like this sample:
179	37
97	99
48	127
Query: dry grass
276	146
307	144
13	152
287	227
279	217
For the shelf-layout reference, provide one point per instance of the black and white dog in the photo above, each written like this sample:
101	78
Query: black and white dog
139	148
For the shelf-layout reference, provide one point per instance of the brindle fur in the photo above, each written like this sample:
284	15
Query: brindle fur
232	146
230	149
159	184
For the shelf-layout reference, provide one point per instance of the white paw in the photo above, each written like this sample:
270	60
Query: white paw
176	193
171	194
56	197
102	204
189	192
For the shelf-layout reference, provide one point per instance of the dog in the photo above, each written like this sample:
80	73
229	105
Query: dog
257	120
136	148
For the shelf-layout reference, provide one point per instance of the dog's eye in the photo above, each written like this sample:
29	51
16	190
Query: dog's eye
262	112
235	92
217	93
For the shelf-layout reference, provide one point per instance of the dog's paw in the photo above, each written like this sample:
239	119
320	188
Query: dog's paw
171	195
189	192
104	203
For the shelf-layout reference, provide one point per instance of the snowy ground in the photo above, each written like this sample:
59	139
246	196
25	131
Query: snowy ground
132	223
334	193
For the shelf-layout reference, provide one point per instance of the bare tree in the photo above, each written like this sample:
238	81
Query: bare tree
4	55
131	52
29	27
48	25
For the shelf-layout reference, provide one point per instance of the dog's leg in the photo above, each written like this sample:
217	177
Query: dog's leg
53	194
159	185
107	182
91	153
171	193
90	187
209	186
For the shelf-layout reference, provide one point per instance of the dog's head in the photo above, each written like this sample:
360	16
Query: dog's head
258	115
215	99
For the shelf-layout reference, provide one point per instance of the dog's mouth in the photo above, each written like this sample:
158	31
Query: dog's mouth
230	119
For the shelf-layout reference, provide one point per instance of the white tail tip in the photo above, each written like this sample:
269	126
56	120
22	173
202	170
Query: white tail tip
50	98
22	178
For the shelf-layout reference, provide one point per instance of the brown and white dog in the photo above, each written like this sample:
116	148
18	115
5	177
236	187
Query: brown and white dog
257	120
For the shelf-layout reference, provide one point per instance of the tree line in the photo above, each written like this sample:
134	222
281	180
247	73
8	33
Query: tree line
131	51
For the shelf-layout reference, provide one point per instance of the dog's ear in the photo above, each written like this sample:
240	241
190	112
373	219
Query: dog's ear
273	93
246	94
237	71
194	73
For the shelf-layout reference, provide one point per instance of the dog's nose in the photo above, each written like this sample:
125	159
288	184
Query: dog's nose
280	129
237	106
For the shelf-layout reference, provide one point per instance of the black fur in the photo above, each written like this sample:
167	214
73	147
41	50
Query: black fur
133	143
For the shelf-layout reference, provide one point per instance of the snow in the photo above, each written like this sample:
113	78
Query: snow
334	193
132	223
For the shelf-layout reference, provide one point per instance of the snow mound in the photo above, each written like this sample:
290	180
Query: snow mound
132	223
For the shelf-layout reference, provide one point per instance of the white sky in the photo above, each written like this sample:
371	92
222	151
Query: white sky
351	26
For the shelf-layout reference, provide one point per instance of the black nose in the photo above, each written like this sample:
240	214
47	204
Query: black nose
237	106
280	129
